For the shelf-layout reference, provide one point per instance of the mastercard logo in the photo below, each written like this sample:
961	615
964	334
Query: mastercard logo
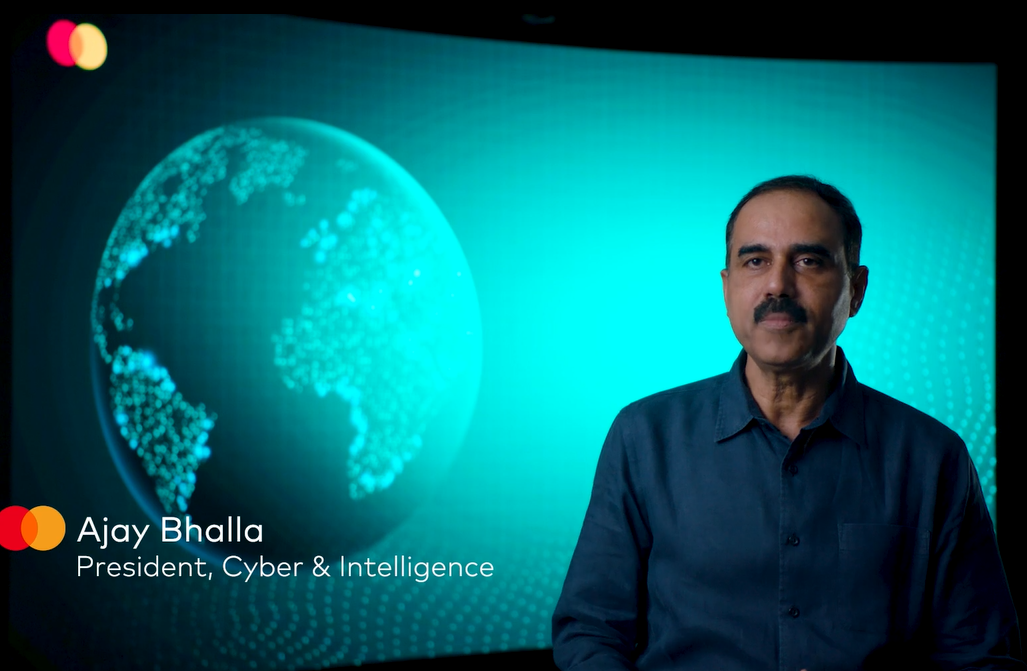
41	528
82	45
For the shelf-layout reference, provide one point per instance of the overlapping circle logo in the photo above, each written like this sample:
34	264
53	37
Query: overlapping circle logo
83	45
41	528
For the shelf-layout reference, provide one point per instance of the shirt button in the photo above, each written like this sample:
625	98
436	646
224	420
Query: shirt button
793	611
793	469
793	540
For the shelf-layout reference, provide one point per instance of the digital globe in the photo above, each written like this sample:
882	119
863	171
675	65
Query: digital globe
285	332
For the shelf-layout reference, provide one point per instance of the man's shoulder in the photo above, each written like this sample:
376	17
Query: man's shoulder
687	399
886	416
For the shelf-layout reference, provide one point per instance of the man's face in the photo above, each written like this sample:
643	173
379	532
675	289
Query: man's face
787	288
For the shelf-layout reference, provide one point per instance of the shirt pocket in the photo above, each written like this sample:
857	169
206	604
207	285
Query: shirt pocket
882	575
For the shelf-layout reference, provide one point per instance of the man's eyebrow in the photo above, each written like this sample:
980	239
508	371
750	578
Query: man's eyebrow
812	248
801	248
752	249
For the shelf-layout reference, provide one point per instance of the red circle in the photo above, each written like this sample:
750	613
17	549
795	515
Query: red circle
10	527
58	40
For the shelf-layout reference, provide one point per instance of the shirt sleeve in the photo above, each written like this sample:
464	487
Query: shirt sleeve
599	622
973	623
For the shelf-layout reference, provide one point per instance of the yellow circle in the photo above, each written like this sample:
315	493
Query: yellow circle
88	46
50	530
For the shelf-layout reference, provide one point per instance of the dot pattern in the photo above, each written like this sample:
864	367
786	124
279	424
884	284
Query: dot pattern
168	433
366	332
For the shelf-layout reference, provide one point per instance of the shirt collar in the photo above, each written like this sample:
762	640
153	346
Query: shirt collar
843	408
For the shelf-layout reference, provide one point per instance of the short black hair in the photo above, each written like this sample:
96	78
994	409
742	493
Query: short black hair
842	206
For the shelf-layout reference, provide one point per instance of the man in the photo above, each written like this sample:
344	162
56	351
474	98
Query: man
784	516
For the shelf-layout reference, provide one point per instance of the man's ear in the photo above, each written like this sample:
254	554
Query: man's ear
858	289
723	281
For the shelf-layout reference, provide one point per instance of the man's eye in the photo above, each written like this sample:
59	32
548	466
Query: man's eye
810	262
754	262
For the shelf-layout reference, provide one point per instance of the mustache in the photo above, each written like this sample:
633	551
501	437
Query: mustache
780	305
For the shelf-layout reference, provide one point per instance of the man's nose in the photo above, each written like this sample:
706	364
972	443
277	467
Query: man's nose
781	279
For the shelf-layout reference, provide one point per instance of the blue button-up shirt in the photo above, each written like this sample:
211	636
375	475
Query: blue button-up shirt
712	541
